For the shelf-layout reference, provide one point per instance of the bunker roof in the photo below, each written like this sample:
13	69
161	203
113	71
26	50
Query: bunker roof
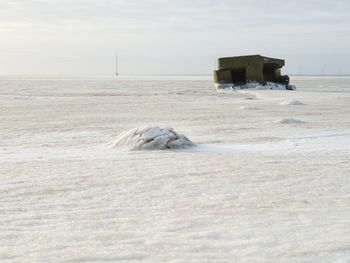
251	58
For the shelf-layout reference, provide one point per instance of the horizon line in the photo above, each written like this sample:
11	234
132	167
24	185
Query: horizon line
149	75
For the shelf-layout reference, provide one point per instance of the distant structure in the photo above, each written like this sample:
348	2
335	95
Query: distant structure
244	69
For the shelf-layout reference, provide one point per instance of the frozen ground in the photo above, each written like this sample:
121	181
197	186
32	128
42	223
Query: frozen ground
269	180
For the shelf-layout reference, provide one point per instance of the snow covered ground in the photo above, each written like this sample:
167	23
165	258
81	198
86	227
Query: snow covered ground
268	179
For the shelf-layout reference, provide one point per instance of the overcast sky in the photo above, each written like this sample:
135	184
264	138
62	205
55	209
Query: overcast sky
170	36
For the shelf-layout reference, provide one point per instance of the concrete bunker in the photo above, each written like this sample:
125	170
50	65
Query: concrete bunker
244	69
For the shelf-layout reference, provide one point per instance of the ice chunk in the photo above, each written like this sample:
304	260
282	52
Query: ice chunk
293	102
289	121
248	108
152	138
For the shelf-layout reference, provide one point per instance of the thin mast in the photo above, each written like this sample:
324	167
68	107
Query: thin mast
116	62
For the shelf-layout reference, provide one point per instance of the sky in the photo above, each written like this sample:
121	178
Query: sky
79	37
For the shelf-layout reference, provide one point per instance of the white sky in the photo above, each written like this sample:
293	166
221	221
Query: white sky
170	36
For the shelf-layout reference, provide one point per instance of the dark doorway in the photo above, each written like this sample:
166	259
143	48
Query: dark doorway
269	71
238	76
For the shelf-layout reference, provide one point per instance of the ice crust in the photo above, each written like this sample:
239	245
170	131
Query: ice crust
152	138
250	190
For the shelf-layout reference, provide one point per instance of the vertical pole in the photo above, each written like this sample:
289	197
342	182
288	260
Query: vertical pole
116	62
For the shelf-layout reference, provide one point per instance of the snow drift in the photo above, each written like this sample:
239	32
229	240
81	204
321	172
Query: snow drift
152	138
256	86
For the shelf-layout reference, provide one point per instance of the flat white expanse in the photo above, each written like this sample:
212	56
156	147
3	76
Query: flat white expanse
268	182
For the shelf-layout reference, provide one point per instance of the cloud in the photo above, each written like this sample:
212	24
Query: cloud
177	15
160	29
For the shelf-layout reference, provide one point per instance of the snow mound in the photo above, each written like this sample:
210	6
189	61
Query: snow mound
152	138
256	86
289	121
293	102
